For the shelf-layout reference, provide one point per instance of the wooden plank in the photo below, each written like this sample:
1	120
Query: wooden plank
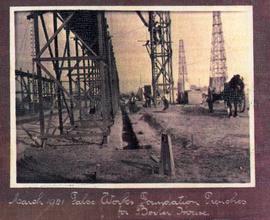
32	137
39	75
166	163
170	159
154	158
73	58
40	52
44	143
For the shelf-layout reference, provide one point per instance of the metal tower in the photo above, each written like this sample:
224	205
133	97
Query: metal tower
218	66
160	51
182	74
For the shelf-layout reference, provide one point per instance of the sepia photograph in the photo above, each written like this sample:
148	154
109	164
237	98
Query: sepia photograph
132	97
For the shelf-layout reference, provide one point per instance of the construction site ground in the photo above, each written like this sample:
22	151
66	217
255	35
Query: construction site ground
207	148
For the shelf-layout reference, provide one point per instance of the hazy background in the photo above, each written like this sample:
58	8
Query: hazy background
133	62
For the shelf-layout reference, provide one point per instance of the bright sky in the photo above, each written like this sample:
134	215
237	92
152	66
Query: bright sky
195	28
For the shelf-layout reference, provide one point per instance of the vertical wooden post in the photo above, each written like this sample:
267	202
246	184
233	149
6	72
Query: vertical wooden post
166	166
69	77
78	79
58	74
46	88
51	91
22	92
95	75
110	75
102	69
39	76
88	81
84	79
29	92
152	47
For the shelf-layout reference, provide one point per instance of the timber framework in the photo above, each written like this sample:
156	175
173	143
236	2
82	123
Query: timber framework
80	81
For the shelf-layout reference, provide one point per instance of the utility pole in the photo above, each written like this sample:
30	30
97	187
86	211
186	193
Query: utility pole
218	66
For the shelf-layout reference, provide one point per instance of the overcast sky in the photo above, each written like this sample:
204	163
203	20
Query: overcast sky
133	62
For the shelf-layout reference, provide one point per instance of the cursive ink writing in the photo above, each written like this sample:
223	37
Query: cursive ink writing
233	200
75	200
146	211
175	202
187	212
110	199
144	205
150	207
55	202
27	202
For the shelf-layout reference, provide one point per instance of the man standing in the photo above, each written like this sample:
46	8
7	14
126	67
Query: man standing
165	103
132	103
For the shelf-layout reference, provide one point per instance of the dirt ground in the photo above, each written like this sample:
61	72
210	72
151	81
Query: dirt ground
207	148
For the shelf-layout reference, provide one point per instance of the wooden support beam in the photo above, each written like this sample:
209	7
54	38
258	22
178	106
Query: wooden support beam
102	68
142	18
56	32
85	44
84	82
32	137
48	59
21	89
63	61
82	41
29	93
49	122
56	81
47	37
30	75
78	80
58	74
39	74
88	75
166	165
69	78
77	67
110	75
65	102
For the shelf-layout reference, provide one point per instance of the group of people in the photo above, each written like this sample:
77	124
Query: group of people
149	100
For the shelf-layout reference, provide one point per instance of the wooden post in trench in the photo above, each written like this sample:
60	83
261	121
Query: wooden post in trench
166	164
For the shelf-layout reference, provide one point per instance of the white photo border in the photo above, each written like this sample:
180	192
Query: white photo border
13	151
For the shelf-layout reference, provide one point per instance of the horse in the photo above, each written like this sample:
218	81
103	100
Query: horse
233	94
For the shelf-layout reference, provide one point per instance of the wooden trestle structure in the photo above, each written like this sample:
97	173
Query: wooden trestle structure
82	79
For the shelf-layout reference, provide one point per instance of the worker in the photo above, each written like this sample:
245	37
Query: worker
147	98
157	33
132	103
165	103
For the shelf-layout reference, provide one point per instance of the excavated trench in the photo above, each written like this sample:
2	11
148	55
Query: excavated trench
128	134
